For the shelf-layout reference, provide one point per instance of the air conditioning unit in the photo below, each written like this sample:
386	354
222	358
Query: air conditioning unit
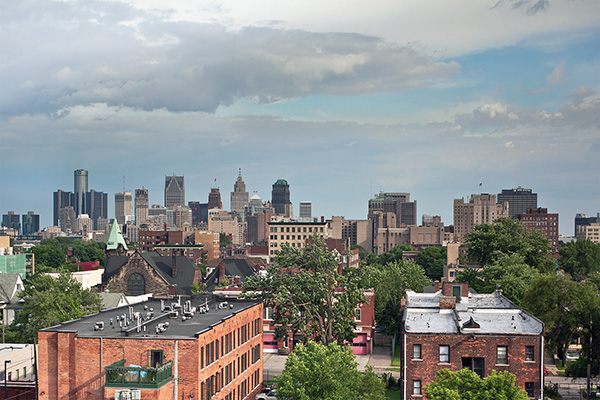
128	394
136	394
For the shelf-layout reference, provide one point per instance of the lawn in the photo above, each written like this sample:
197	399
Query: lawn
393	394
396	360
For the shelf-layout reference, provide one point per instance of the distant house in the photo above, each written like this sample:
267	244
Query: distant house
10	302
455	329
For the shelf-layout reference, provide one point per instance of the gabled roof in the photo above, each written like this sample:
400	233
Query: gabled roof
115	238
242	267
10	286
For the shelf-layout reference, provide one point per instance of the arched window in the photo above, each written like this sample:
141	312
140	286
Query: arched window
136	285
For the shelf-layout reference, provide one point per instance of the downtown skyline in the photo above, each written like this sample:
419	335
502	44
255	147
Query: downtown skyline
341	100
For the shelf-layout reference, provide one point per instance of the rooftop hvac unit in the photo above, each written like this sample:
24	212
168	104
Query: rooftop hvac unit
128	394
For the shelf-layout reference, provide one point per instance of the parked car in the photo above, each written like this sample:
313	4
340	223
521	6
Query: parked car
270	394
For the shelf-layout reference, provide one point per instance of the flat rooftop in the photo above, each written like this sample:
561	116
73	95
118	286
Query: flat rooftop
157	319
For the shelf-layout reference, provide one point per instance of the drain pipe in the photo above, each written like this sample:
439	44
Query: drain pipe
404	364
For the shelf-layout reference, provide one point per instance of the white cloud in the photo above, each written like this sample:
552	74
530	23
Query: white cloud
558	75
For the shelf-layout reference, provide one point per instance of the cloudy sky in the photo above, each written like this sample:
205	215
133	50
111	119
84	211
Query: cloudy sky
343	99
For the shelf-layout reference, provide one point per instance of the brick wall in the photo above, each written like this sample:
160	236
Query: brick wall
480	346
136	264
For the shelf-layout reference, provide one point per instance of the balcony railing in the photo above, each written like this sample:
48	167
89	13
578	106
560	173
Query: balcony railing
118	375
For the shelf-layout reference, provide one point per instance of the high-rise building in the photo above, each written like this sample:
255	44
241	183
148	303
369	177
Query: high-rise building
81	188
480	209
305	212
174	191
519	200
214	199
61	199
123	206
141	206
538	219
280	198
239	196
397	203
67	219
31	223
83	223
96	204
11	220
581	221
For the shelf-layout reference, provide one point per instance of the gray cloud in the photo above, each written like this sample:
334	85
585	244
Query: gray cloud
110	53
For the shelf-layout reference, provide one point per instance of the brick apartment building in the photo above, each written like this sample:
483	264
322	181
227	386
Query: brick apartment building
169	349
539	219
454	329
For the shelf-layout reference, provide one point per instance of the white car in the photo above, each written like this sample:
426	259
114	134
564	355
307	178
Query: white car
269	395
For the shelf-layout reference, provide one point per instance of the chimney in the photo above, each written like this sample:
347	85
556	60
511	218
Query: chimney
322	218
174	263
172	290
436	285
447	302
221	270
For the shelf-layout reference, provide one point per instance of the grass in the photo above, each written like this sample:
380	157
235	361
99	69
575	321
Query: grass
393	393
396	362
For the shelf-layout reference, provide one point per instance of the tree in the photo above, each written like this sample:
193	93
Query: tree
489	242
88	251
50	301
308	294
467	385
567	308
48	258
580	258
395	254
326	372
224	240
433	259
391	282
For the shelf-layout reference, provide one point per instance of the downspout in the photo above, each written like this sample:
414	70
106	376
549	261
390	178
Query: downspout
404	367
542	369
101	371
175	372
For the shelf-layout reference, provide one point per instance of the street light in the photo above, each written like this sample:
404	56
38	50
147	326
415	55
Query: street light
6	362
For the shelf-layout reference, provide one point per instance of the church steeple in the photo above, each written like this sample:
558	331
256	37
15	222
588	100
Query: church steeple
115	238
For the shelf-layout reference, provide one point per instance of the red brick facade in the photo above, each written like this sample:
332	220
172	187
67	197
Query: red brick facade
223	361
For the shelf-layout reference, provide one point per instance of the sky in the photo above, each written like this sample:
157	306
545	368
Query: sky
343	99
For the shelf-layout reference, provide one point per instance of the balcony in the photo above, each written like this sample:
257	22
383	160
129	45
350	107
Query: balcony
120	376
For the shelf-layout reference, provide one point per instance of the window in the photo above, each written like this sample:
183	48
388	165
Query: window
502	355
416	351
417	388
444	354
529	389
529	353
156	358
475	364
357	314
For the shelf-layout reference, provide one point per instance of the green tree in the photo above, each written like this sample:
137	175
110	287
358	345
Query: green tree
567	308
88	251
489	242
391	281
433	259
326	372
224	240
580	258
473	277
395	254
308	294
467	385
50	301
48	258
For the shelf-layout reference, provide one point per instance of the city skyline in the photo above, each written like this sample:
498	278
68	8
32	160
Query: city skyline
341	102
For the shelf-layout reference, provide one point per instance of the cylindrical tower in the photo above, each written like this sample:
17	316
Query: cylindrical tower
81	188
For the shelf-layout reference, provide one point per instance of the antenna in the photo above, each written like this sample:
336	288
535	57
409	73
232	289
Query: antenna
123	183
240	173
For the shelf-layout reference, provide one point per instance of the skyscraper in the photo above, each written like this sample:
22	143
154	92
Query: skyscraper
481	209
123	206
61	199
96	206
519	200
141	206
239	196
174	191
11	220
214	199
31	223
397	203
305	212
280	198
81	188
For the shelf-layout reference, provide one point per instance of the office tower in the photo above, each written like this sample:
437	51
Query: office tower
66	219
481	209
83	223
141	206
182	216
305	212
96	204
214	199
11	220
239	196
61	199
81	188
539	219
519	200
397	203
174	191
123	206
31	223
280	198
582	222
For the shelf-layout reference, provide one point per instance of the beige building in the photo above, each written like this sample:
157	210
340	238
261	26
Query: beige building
480	209
293	232
356	231
123	206
223	222
591	231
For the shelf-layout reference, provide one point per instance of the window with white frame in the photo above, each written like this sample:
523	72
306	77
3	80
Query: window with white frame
444	353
